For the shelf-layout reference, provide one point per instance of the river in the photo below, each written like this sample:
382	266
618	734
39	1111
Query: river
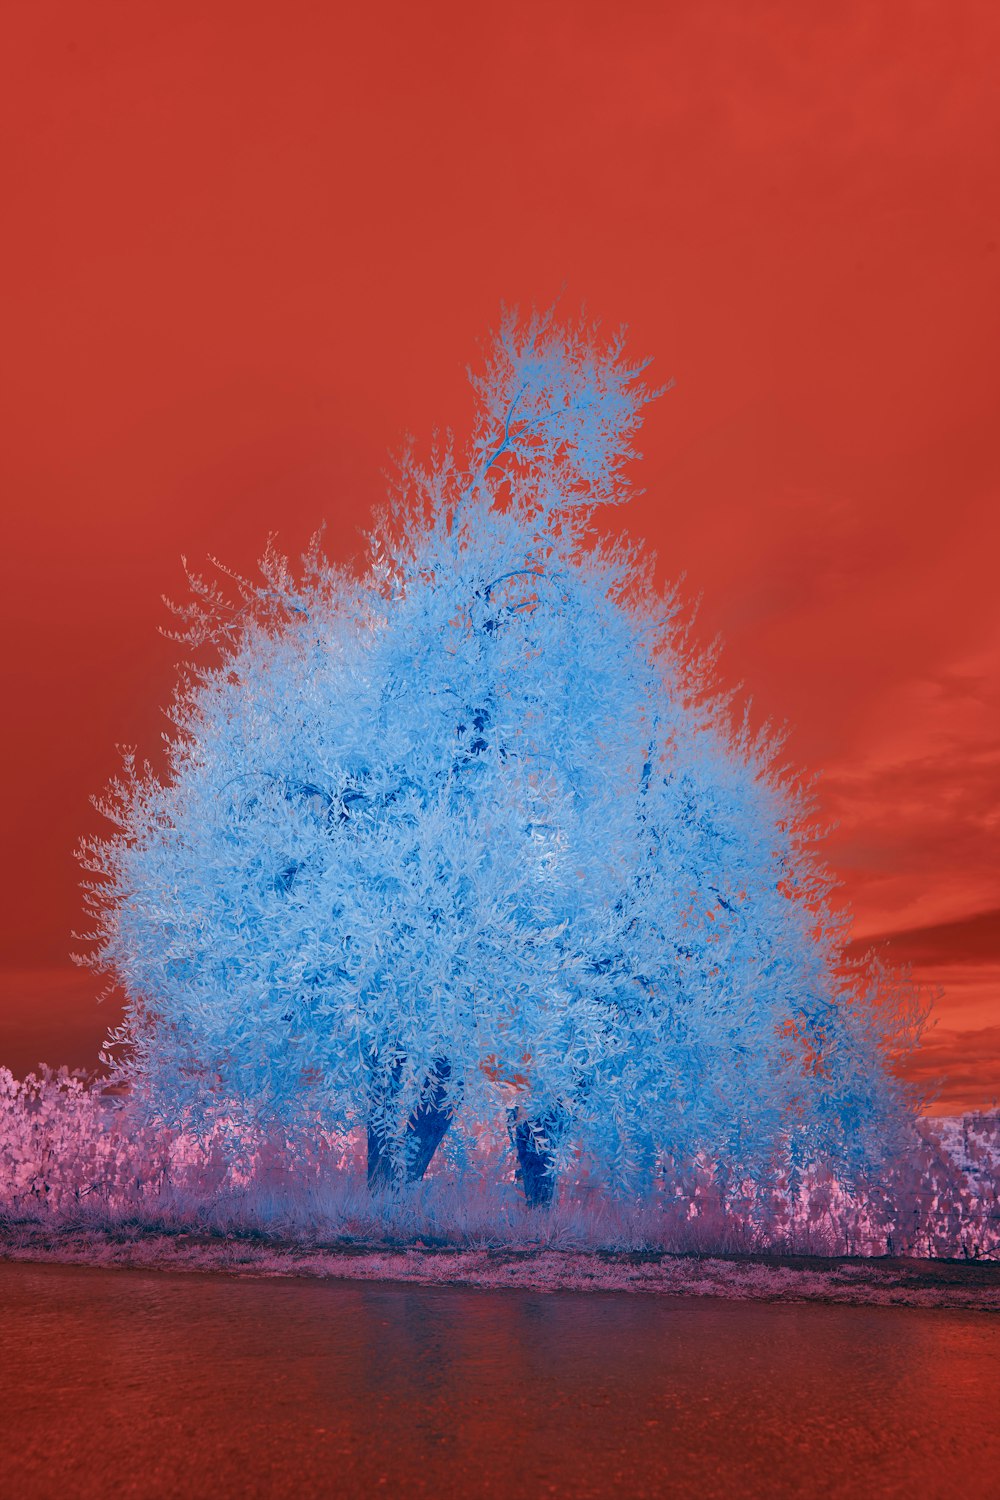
129	1383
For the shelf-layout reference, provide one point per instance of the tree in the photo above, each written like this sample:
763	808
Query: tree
471	831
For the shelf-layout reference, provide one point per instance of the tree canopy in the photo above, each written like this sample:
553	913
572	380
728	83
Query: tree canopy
467	828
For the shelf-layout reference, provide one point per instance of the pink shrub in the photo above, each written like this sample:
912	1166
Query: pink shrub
70	1154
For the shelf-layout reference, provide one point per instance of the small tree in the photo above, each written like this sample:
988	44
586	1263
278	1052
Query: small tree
470	831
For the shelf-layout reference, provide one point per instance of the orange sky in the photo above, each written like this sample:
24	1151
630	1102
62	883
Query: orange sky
247	246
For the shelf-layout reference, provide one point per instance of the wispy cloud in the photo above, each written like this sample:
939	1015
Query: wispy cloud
959	963
960	1070
919	807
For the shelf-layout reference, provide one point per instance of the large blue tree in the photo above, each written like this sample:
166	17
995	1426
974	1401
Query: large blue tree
469	831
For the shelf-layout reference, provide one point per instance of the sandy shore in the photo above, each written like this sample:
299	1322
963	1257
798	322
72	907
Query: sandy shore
972	1285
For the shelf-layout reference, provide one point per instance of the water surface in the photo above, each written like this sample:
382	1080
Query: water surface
161	1384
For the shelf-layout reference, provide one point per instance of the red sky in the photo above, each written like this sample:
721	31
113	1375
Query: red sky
248	246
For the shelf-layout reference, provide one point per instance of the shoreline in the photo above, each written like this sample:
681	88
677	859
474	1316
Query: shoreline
853	1281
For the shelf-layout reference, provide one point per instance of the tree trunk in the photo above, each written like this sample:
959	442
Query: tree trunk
425	1130
532	1136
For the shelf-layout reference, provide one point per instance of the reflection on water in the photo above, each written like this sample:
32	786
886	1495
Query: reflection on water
126	1382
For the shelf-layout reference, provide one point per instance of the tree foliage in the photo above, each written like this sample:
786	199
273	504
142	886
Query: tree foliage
468	829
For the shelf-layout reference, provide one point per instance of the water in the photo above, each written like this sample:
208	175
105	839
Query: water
158	1384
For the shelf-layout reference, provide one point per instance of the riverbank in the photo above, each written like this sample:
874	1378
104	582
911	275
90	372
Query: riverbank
861	1281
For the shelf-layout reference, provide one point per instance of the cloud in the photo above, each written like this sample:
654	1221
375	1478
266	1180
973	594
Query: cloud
960	1068
958	963
971	940
918	807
